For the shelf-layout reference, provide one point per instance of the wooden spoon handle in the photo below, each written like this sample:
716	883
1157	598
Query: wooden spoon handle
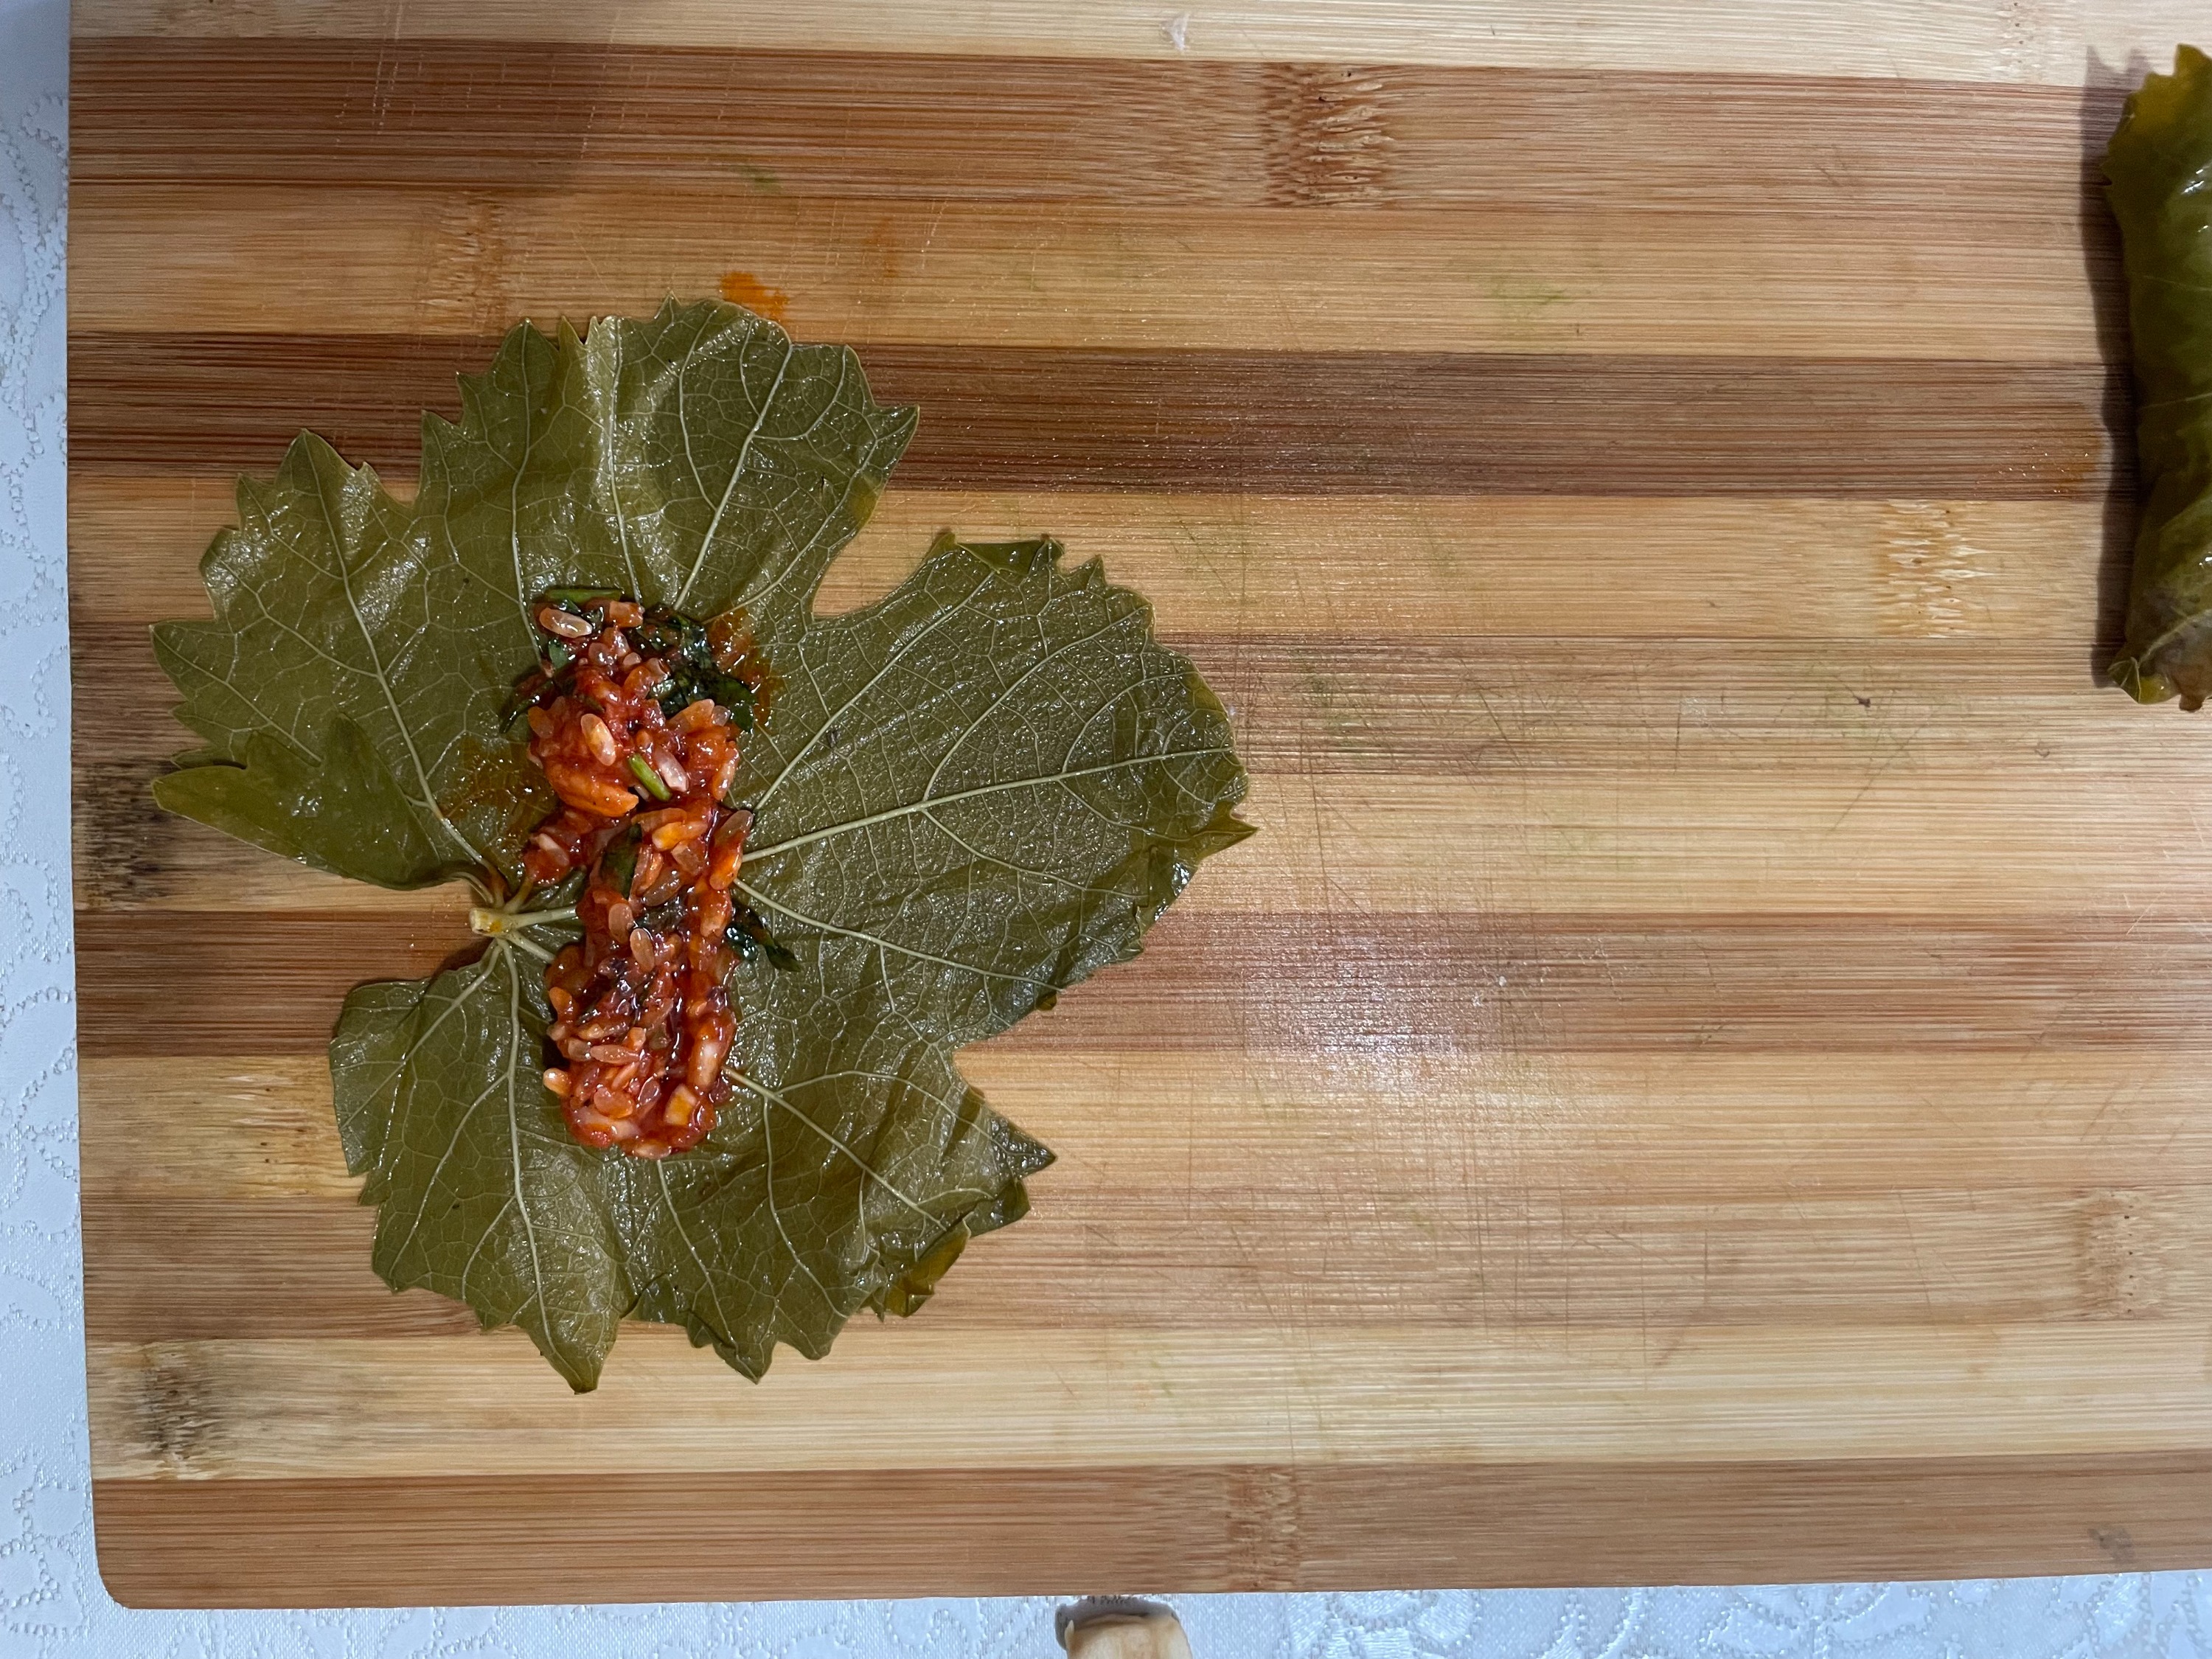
1119	1627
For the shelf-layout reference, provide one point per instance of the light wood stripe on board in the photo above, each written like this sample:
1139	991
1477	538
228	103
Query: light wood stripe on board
1439	1395
1553	710
1470	279
1927	40
178	1267
1595	776
1375	568
1539	1130
1965	844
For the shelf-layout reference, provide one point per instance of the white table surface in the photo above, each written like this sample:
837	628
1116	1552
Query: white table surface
51	1602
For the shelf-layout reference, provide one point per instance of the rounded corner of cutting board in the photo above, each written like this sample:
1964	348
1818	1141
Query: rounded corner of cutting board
129	1573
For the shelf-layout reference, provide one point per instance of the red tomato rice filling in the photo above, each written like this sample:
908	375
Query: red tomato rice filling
641	1018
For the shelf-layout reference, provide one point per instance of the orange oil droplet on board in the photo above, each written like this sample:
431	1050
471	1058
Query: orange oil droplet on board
742	288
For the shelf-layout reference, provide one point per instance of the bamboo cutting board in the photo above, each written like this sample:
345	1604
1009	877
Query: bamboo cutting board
1700	1076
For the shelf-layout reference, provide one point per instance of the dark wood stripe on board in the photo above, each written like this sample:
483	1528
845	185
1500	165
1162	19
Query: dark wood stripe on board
1398	984
836	1533
1008	418
534	115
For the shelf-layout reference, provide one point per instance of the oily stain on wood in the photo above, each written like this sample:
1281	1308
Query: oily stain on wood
742	288
1700	1075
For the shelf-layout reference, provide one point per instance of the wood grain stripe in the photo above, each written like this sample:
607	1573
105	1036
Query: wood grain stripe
1727	778
1426	1396
1535	1129
1277	1527
1968	844
1321	423
1880	39
1093	1258
1750	284
540	115
1353	984
1219	570
230	1218
1974	843
1328	703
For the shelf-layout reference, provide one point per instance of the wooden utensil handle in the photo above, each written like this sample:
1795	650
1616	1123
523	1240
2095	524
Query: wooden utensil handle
1119	1627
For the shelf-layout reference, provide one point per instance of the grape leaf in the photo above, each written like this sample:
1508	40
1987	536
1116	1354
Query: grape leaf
699	459
483	1195
2159	169
969	797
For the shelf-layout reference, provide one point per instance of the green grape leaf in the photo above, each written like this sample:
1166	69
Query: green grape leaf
2159	172
335	806
968	796
483	1194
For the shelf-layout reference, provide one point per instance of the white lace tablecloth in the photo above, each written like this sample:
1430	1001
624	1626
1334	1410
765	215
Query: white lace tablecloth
52	1603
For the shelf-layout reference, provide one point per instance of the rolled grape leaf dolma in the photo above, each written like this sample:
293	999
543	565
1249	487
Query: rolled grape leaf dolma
2158	170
